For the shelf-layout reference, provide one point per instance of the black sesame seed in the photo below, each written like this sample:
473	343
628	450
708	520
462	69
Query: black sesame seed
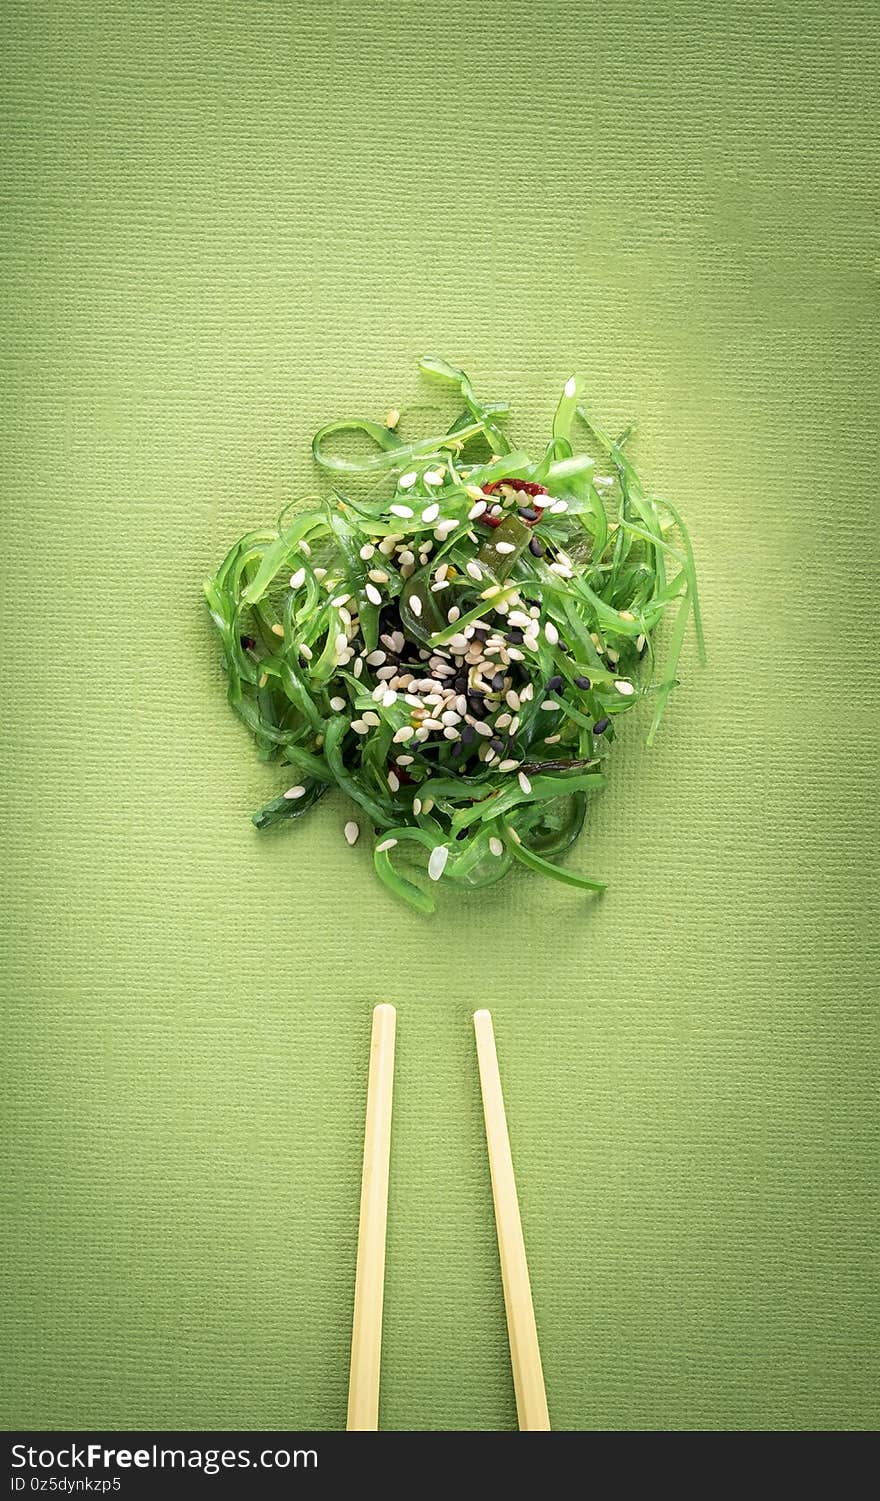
497	744
468	735
515	636
498	682
461	685
248	643
528	513
476	707
582	682
481	633
601	725
555	683
536	548
457	748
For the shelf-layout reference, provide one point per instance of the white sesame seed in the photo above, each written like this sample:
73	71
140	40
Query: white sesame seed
490	593
405	732
320	573
298	579
512	698
422	732
625	688
417	805
562	569
341	642
305	549
403	511
474	492
440	584
495	846
415	604
474	569
477	509
551	632
407	480
570	386
392	417
507	765
345	616
640	641
351	831
305	651
550	705
612	655
603	480
427	804
386	844
393	781
360	726
505	547
432	477
526	693
373	594
437	862
398	641
376	658
358	667
542	501
449	716
453	614
389	698
264	678
293	792
430	513
405	760
340	599
514	724
278	630
524	782
551	739
378	575
503	721
337	704
443	529
371	719
482	728
451	733
514	655
558	507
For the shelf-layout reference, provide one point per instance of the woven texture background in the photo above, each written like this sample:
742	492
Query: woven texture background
224	223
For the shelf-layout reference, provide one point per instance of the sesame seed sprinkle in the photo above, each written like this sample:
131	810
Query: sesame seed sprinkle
295	792
351	832
405	512
385	844
437	861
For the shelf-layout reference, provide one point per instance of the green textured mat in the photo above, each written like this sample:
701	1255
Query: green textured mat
224	224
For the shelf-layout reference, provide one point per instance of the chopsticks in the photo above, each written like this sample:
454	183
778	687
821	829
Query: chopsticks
366	1331
522	1333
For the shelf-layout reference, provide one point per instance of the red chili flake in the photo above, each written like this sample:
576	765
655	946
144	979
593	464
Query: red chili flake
524	486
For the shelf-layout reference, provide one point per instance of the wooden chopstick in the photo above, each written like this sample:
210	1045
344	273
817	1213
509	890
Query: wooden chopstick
525	1354
366	1332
